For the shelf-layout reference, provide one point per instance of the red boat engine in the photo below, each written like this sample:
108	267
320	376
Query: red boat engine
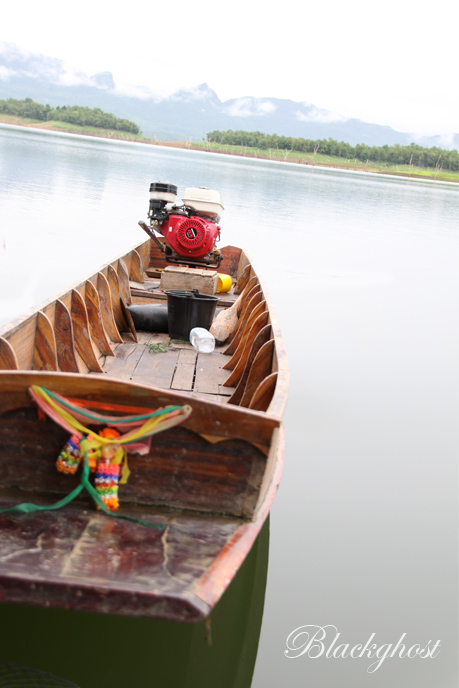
191	237
190	230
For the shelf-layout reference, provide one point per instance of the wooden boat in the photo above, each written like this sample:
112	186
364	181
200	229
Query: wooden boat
206	485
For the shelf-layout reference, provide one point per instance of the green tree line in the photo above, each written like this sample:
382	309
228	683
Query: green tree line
74	114
396	154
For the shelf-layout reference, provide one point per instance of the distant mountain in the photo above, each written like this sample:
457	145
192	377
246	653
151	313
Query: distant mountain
188	113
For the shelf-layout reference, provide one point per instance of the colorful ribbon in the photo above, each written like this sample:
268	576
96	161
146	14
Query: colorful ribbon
66	415
138	439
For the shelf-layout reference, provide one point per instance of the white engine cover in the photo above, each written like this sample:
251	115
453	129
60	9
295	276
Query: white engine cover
204	201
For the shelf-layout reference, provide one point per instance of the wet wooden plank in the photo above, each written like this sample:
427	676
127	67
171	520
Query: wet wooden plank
230	260
44	355
95	319
128	318
114	283
162	373
82	560
241	304
243	279
262	337
261	368
184	373
219	398
8	360
39	545
66	354
256	322
136	273
83	342
123	276
225	392
127	356
22	338
264	393
134	361
254	297
209	374
144	252
174	558
106	308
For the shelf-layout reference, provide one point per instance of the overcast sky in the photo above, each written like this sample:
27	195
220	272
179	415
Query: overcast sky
391	63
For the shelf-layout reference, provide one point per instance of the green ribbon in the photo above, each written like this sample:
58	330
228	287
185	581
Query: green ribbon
108	421
28	508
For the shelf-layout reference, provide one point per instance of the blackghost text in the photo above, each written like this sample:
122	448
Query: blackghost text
317	641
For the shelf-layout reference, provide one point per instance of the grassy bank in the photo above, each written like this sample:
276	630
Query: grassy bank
74	129
316	160
319	160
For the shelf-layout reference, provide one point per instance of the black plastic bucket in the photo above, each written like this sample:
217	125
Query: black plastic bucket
188	309
149	317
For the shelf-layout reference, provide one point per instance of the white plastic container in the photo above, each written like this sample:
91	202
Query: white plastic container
202	340
204	201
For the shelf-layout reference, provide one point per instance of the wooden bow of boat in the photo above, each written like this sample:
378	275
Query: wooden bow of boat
210	481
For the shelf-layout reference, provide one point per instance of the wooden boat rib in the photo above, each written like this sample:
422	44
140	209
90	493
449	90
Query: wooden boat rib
208	482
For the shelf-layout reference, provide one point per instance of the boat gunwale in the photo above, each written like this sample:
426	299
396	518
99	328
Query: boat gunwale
91	386
278	402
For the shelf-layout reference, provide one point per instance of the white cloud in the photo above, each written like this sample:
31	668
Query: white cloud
315	114
136	91
249	107
202	92
36	65
446	140
265	107
5	73
70	78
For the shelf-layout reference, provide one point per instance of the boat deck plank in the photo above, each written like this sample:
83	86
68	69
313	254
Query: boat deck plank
123	364
178	366
156	369
210	376
66	553
185	371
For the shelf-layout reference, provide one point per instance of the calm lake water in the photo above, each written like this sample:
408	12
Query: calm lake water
363	272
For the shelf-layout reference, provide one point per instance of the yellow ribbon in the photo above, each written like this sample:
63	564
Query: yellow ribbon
96	442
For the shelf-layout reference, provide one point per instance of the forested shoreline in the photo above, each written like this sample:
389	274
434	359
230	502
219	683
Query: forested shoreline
72	114
410	161
396	155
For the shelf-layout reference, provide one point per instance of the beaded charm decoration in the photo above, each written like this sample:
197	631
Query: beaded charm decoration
106	481
107	472
101	460
70	458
